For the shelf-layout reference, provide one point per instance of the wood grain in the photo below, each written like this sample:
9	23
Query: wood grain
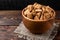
6	30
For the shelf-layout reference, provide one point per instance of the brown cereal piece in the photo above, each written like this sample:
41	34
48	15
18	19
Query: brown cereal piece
48	9
38	15
30	7
26	12
33	12
36	18
44	18
51	14
41	18
38	10
47	15
36	5
44	8
29	15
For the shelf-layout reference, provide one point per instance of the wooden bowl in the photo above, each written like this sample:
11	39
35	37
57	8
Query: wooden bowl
37	27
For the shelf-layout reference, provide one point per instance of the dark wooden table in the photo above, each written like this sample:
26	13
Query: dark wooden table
10	19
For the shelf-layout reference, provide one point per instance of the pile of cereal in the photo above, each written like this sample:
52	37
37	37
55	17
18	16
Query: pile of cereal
38	12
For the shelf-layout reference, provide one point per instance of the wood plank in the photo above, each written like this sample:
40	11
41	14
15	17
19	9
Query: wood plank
10	17
9	12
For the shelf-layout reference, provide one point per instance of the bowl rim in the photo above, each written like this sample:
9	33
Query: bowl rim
38	20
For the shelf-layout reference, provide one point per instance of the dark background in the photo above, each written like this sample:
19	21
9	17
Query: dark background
20	4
